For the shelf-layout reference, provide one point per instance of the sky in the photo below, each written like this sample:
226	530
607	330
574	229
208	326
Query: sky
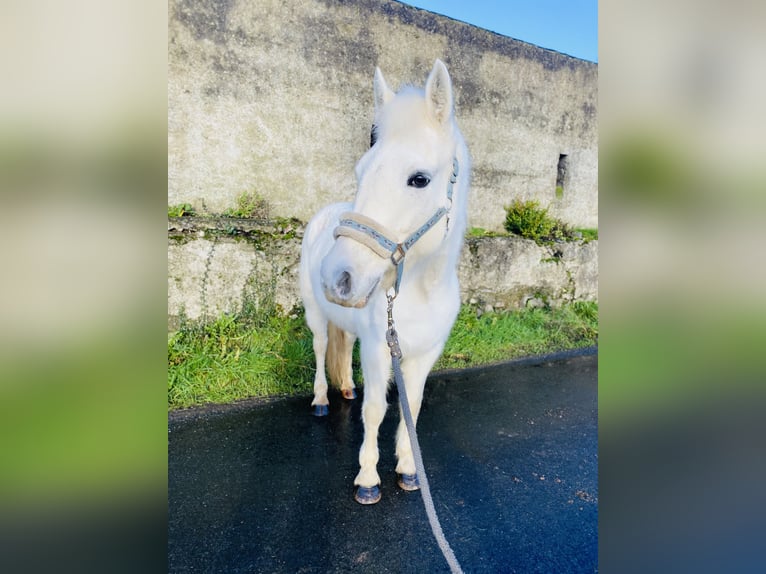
568	26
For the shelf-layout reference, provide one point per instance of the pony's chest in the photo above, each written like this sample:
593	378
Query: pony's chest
426	320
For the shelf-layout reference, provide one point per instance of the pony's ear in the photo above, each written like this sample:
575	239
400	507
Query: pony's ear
439	93
381	90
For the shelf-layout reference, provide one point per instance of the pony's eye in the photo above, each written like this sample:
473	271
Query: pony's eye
419	180
373	135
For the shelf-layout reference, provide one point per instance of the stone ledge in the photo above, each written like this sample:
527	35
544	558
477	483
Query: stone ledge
214	263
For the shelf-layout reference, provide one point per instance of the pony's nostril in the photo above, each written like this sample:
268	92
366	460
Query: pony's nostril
343	284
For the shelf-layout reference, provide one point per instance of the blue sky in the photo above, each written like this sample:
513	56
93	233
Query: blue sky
568	26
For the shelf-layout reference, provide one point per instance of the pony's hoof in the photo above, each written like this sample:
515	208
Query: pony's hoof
367	495
321	410
349	394
409	482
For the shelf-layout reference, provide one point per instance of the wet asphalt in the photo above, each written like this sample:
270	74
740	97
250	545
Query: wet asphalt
510	452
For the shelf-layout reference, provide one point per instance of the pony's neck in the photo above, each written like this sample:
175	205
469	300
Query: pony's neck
437	268
434	272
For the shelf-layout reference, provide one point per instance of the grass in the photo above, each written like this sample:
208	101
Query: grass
589	234
239	356
260	353
475	232
495	337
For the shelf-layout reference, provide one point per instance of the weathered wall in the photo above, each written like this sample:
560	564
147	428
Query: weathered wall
275	97
212	268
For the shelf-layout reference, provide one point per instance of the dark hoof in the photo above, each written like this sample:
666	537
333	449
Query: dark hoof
349	394
367	495
321	410
409	482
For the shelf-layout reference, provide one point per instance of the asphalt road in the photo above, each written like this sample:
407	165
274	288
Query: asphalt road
510	452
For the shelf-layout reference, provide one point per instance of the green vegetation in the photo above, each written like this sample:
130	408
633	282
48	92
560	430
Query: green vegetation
589	234
494	337
529	220
255	353
249	205
578	234
524	218
259	352
181	210
481	232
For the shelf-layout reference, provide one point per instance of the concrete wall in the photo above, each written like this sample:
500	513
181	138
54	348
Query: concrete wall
275	97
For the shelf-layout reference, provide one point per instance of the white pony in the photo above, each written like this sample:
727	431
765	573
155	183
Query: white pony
411	199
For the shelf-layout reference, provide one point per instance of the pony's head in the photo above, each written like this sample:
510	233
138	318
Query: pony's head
402	182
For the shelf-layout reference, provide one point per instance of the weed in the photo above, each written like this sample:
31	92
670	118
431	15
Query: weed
181	210
529	220
249	205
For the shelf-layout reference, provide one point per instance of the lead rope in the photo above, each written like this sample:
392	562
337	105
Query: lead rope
396	354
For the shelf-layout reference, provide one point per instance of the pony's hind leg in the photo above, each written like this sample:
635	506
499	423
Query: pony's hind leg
339	351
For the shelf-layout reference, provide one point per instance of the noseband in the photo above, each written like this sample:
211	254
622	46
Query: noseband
375	236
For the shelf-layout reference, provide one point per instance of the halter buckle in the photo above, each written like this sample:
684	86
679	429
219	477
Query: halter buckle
398	254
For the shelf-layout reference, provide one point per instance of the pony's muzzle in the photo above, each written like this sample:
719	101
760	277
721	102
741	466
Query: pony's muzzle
342	290
342	287
343	284
350	273
338	287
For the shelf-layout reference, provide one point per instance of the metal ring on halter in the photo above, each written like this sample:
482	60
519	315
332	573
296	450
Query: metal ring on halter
398	254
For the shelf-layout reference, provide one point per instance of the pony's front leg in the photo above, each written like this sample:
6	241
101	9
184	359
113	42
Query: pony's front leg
376	368
320	403
318	325
415	370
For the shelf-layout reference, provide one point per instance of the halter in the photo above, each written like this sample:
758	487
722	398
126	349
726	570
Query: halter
372	234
